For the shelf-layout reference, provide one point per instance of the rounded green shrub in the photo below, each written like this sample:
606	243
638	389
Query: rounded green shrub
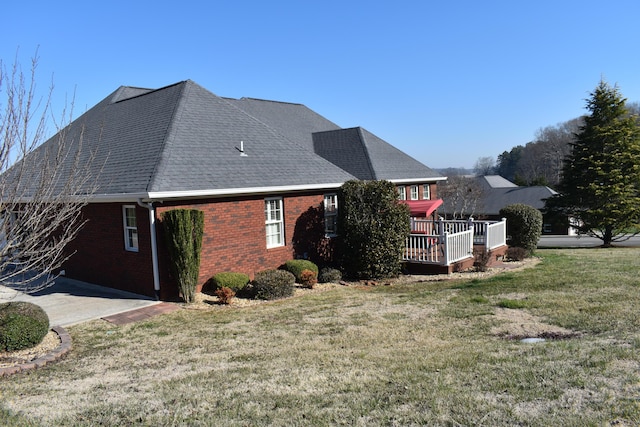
297	266
22	325
234	281
273	284
524	225
329	275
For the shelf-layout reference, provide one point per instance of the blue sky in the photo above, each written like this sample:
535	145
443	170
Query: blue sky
447	82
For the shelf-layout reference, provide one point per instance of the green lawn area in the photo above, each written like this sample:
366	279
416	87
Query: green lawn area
431	353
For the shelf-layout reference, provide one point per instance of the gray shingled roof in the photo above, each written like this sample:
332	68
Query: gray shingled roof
498	192
497	198
294	121
183	138
366	156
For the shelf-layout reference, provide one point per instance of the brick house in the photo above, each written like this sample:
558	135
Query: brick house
265	174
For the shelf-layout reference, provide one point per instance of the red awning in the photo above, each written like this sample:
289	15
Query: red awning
422	207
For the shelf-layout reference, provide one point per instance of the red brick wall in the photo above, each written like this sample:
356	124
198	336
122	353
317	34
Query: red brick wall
235	236
100	256
234	240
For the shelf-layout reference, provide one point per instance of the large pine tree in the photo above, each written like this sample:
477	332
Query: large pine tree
600	185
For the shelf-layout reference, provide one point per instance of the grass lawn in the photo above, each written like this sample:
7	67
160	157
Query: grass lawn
431	353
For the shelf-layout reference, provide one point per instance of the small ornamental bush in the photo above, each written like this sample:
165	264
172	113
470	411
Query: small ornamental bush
234	281
273	284
308	279
516	253
225	295
524	225
297	266
481	260
329	275
22	325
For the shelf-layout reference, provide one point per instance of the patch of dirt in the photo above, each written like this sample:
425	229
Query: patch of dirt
50	342
519	324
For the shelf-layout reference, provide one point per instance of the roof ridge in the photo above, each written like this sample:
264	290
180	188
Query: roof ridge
148	91
360	130
168	132
270	100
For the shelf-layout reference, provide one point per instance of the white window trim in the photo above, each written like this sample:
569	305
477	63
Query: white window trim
330	216
414	194
127	228
268	221
402	192
426	192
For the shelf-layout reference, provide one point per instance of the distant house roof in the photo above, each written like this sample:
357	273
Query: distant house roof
495	181
500	192
183	141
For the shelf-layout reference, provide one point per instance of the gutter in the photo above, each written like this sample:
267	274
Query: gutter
154	245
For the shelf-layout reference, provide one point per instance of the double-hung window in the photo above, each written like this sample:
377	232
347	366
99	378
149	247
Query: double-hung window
330	214
414	192
274	223
130	228
426	192
402	194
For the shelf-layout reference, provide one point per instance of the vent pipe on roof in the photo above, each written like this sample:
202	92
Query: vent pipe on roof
241	149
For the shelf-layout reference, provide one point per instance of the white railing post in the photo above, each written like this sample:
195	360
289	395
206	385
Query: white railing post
446	244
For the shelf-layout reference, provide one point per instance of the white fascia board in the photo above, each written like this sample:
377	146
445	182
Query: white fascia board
413	180
210	193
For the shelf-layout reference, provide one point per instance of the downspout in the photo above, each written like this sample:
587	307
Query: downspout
154	245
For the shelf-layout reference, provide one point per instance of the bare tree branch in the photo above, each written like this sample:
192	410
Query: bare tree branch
43	187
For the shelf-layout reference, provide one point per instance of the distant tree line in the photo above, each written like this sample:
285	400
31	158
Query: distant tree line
540	161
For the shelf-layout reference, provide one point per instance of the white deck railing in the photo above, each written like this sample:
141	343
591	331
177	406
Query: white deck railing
445	242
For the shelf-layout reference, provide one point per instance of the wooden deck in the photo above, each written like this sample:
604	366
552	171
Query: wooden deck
436	247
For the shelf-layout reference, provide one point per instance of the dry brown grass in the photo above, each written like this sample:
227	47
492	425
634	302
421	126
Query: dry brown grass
429	353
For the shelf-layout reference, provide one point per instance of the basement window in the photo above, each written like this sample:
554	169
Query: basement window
130	228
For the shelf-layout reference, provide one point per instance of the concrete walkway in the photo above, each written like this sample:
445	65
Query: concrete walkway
69	302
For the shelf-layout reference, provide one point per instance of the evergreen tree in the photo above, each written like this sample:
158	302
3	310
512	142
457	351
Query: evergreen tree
184	230
600	185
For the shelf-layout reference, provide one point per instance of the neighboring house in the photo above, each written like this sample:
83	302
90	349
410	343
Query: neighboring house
497	192
265	174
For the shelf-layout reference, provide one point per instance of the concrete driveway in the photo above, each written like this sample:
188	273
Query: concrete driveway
69	302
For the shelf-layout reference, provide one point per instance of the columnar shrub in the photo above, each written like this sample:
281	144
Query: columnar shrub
184	229
297	266
373	228
273	284
231	280
308	279
22	325
524	225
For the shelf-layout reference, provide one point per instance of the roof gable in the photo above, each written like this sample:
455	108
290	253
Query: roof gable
366	156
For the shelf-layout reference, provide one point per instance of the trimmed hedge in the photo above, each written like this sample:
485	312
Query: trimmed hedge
22	325
524	225
297	266
234	281
273	284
